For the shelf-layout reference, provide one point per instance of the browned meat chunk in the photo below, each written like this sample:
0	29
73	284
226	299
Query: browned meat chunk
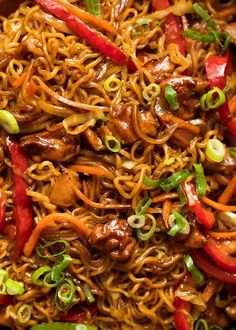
62	193
160	69
227	165
114	238
8	7
92	139
195	240
56	146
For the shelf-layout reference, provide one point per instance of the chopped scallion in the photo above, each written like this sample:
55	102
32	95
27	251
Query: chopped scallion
232	151
8	122
136	221
174	180
196	274
171	97
93	7
58	268
14	287
205	16
38	274
60	246
150	92
169	161
215	150
23	313
139	28
151	182
112	84
212	99
88	293
183	200
112	143
143	206
209	37
178	224
64	294
201	324
146	236
200	179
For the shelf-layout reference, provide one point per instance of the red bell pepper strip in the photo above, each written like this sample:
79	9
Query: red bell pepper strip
23	208
2	212
205	217
5	299
95	39
222	259
217	68
77	314
202	261
181	320
173	32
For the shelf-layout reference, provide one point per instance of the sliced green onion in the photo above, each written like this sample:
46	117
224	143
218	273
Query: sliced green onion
209	37
232	151
200	179
64	294
215	150
88	293
112	84
143	206
205	16
23	313
3	275
222	38
48	282
178	224
174	180
8	122
93	7
228	218
150	92
139	28
212	101
63	326
58	268
183	200
136	221
201	324
112	143
151	183
171	97
59	245
14	287
196	274
146	236
3	289
38	274
169	161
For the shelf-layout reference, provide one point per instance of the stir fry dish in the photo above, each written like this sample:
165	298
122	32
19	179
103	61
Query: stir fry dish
117	164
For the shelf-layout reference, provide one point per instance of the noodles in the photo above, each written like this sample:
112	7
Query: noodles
100	142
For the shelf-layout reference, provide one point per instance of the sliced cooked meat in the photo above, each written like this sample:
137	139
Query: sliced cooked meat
55	146
195	240
228	165
62	193
92	139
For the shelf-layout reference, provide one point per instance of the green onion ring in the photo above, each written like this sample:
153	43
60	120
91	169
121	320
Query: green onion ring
136	221
111	139
146	236
112	84
23	313
143	206
215	150
51	245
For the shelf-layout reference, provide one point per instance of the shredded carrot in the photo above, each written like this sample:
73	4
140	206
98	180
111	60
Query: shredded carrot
222	234
96	170
31	89
87	17
232	104
218	206
228	246
1	180
19	81
81	229
163	197
229	191
210	290
166	210
86	200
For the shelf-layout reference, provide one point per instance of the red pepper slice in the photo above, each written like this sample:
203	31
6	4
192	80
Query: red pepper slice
222	259
217	68
2	212
181	319
203	216
5	299
23	208
173	32
201	260
77	314
95	39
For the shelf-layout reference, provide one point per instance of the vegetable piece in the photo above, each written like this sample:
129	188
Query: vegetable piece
222	259
196	274
112	84
216	69
136	31
136	221
150	92
98	41
183	200
215	150
201	260
232	151
218	206
2	212
8	122
212	101
58	268
178	224
169	161
59	245
14	287
88	293
208	37
205	16
182	318
200	179
228	218
23	208
151	183
64	294
63	326
146	236
143	206
93	7
229	191
78	314
112	143
39	273
203	216
171	97
201	324
23	313
3	275
174	180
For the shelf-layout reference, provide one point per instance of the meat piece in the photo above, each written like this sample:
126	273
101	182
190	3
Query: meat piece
216	316
17	54
231	30
56	146
231	311
160	69
227	166
113	238
8	7
93	140
195	239
62	193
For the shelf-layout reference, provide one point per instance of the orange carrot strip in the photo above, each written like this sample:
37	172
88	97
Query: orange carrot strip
19	81
1	180
81	229
163	197
232	104
87	17
229	191
96	170
166	210
86	200
31	89
222	234
218	206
